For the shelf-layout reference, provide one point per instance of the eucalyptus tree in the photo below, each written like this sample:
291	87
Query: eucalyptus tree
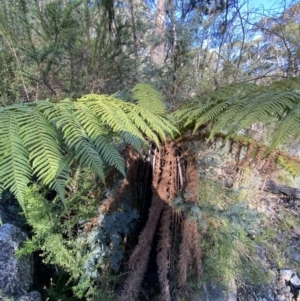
280	33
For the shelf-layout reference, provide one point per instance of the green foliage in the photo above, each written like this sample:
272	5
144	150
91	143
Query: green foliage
87	261
44	217
227	224
149	98
59	288
62	48
16	170
236	107
44	138
115	228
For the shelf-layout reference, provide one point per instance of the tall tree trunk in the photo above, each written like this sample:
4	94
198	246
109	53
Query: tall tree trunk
157	52
133	30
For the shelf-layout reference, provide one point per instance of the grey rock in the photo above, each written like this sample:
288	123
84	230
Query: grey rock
10	211
212	292
15	274
31	296
286	274
295	281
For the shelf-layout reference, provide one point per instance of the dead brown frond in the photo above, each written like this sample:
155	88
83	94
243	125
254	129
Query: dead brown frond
164	252
146	237
139	259
258	158
270	164
185	252
191	181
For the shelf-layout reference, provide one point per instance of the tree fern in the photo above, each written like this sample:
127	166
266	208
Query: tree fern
37	138
237	107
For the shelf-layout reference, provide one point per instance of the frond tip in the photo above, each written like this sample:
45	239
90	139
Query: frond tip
147	97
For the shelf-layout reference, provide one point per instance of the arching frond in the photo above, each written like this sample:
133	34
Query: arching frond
237	107
124	117
288	126
62	115
99	137
108	109
208	107
261	107
40	139
15	171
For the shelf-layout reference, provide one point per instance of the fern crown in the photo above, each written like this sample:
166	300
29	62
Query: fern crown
44	138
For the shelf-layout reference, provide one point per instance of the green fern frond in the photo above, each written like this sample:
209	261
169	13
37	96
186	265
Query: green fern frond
40	139
152	109
99	138
147	97
237	107
125	117
213	112
208	107
288	126
109	111
189	116
261	107
153	126
15	171
61	114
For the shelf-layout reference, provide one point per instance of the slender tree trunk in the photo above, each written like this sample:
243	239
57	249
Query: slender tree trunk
176	53
157	52
133	30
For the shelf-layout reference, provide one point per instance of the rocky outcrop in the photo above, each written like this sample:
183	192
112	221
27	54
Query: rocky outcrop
15	273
